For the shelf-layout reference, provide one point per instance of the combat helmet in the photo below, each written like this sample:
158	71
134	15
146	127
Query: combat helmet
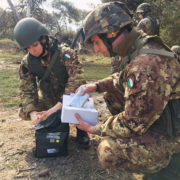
144	8
28	30
105	18
176	49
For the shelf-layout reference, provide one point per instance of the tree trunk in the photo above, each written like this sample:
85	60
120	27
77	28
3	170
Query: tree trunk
28	13
16	17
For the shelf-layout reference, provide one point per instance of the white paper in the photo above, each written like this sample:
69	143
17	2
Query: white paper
87	112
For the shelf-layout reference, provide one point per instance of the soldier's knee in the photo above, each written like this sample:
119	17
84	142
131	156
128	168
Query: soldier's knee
105	155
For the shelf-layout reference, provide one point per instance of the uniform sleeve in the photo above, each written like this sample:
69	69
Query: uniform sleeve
108	84
28	89
147	92
74	68
145	25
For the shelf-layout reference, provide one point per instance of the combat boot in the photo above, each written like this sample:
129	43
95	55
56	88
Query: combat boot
171	172
82	139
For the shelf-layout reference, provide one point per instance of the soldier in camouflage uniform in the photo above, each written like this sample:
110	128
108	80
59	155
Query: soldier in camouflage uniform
143	133
147	23
115	64
42	96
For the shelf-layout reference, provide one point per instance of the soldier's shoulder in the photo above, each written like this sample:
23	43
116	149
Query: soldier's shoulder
67	52
145	20
147	55
25	59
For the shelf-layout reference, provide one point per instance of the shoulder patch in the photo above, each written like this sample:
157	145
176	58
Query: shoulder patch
67	55
131	81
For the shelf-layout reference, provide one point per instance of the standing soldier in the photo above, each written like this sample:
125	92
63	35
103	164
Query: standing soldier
46	73
143	133
148	23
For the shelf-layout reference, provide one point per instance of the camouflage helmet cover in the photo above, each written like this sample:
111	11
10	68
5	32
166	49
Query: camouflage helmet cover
106	17
176	49
143	8
29	30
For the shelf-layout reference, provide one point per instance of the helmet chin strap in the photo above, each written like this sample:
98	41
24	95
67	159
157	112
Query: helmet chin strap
45	46
108	41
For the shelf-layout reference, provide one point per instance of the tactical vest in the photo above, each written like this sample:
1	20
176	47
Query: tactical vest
155	25
58	69
169	121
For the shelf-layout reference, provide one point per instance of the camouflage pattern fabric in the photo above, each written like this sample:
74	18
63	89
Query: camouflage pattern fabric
75	70
33	98
149	25
141	154
114	102
114	99
115	63
106	17
147	83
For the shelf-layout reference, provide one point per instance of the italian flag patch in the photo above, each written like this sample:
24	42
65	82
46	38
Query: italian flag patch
130	81
67	55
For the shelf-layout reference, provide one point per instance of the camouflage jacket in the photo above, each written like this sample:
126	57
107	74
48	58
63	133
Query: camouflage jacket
35	98
149	25
147	82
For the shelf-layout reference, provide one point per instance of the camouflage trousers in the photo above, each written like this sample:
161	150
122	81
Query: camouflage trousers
142	154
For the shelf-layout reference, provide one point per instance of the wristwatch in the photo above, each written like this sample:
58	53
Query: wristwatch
97	87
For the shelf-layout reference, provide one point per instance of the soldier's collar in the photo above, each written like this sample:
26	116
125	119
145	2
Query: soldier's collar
123	49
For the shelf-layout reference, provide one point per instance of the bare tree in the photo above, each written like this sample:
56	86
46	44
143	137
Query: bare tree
30	8
16	17
66	12
28	13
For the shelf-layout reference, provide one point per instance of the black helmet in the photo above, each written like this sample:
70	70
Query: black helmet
29	30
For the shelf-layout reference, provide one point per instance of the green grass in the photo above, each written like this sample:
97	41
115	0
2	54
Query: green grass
6	41
11	56
9	88
8	49
96	66
96	58
96	71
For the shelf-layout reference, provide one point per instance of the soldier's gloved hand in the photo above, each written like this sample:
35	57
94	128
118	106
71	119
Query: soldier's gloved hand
35	117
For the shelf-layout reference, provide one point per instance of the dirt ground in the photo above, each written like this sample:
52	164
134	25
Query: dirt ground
17	142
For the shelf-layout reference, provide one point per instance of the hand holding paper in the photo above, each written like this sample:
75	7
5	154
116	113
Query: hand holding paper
84	125
78	100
